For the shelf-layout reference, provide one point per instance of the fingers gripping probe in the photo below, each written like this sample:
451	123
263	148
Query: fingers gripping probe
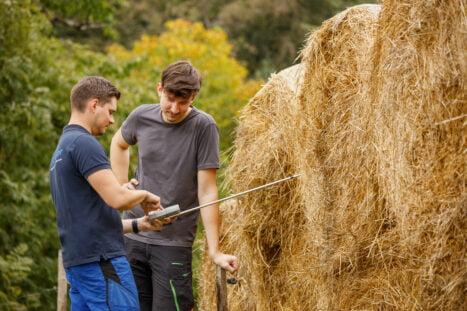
174	210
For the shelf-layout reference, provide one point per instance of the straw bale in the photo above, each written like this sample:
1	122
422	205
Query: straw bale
384	183
266	223
418	93
338	188
375	123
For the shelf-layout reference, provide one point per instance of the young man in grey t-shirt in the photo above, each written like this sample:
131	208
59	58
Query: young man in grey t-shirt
178	155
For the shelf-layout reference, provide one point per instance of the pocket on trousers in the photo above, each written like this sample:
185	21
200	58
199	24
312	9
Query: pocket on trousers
180	285
121	298
180	273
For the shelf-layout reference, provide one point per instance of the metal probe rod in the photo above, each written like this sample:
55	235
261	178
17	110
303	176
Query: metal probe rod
238	194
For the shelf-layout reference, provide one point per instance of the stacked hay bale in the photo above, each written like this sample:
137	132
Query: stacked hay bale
419	98
265	224
384	181
337	157
377	221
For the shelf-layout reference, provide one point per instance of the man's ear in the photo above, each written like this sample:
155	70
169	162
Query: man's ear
159	89
193	97
92	104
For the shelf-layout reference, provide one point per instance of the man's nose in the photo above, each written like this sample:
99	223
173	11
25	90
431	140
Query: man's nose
174	108
111	120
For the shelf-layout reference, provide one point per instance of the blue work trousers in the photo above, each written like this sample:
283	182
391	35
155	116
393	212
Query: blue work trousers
106	285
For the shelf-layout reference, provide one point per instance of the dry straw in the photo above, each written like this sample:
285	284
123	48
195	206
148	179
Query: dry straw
376	125
418	93
384	182
263	225
339	188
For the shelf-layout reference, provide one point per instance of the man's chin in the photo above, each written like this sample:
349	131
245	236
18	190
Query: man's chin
171	119
100	132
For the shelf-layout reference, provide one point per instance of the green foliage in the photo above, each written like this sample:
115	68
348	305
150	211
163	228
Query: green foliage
14	268
37	74
84	10
23	184
80	19
266	34
138	17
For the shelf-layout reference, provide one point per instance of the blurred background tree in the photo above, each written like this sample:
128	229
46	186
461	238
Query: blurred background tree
82	20
266	34
46	46
37	72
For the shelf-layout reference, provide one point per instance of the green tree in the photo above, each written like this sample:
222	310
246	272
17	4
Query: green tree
85	21
24	126
266	34
37	73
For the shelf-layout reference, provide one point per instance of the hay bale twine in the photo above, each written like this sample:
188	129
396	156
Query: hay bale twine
265	223
419	96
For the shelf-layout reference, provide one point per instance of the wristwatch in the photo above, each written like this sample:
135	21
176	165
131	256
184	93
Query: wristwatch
134	225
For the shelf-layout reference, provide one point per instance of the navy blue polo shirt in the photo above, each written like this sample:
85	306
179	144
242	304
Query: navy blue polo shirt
88	228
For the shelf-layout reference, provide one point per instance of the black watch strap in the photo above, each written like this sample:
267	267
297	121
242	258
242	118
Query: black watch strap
134	225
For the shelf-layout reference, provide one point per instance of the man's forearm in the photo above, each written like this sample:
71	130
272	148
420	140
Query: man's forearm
127	226
114	194
127	199
120	161
210	216
207	192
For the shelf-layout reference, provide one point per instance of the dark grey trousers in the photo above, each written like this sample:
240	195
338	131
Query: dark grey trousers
162	274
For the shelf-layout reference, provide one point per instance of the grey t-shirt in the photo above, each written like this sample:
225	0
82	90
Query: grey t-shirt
169	157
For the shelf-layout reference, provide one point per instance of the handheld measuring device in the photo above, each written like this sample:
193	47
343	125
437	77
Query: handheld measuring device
166	212
174	210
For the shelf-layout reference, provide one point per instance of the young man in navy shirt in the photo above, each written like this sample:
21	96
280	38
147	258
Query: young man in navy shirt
87	196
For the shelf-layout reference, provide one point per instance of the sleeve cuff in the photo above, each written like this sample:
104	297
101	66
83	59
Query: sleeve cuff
95	169
208	165
126	138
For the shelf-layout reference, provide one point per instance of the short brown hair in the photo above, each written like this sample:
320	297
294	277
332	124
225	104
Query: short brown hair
92	87
181	79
